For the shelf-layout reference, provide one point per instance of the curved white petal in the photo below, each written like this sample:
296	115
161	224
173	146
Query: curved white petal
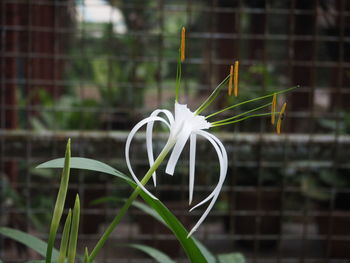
127	148
175	155
149	130
193	140
222	155
221	161
222	171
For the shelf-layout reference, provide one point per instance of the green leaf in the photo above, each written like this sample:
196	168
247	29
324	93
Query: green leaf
59	206
192	250
73	238
158	255
65	238
231	258
206	253
86	255
28	240
146	209
85	164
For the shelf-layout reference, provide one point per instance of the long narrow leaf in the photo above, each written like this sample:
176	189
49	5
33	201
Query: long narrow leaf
65	238
191	248
206	253
73	237
156	254
61	198
28	240
85	164
146	209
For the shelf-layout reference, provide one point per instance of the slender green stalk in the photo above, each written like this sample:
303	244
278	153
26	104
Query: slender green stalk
242	119
73	237
61	198
248	101
241	114
65	238
212	96
129	201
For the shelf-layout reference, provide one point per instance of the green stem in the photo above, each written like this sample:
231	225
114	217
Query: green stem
241	114
252	100
242	119
129	201
178	77
212	96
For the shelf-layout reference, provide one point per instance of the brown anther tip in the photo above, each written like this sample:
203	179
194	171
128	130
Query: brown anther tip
273	109
280	118
230	81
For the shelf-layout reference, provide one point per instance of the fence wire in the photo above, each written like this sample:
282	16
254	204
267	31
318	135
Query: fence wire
91	69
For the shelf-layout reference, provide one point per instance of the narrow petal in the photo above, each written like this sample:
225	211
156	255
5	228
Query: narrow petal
193	139
222	155
149	131
179	146
127	148
222	172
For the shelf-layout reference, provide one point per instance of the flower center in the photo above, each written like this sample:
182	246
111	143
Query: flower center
187	121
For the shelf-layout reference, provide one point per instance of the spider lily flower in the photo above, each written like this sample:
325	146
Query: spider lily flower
186	125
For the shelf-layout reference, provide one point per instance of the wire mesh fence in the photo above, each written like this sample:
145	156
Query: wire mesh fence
90	70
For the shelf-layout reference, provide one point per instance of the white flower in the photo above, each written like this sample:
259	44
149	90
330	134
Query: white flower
183	126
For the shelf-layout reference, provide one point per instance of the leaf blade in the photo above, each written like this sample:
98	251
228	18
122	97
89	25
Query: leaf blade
231	258
28	240
65	238
60	201
189	245
156	254
73	237
85	164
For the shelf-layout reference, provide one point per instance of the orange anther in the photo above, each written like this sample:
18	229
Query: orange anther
183	40
235	79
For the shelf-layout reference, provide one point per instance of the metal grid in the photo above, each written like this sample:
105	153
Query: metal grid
63	75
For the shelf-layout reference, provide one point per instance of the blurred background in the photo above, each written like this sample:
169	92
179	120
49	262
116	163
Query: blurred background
91	69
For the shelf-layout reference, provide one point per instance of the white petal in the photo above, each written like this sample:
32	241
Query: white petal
222	155
222	171
127	148
149	131
193	139
175	155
